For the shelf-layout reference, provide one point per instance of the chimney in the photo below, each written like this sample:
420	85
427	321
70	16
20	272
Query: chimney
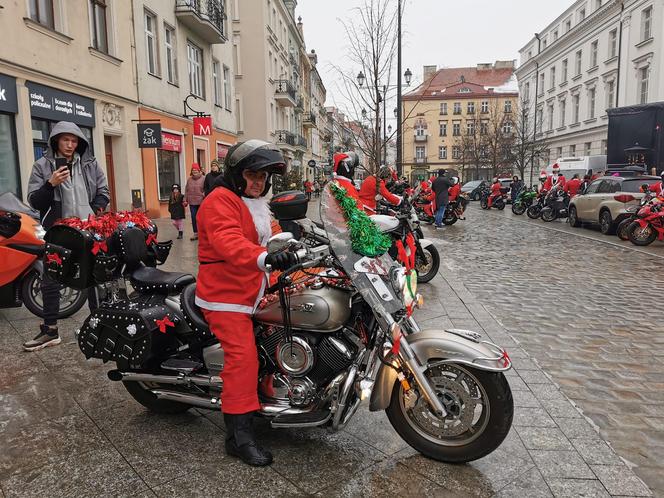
484	66
429	71
505	64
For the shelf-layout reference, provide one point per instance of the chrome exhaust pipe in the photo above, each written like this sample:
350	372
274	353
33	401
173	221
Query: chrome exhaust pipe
199	380
188	399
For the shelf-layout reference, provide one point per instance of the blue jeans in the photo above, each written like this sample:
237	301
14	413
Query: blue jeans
194	210
440	214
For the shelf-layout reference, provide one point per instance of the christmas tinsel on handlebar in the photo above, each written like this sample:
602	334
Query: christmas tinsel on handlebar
365	237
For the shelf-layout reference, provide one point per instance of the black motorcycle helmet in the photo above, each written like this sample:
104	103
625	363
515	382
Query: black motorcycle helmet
253	155
345	164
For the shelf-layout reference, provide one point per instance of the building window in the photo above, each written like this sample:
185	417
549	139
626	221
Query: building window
442	128
644	76
470	108
540	118
575	108
579	58
41	11
457	108
484	152
443	108
564	71
151	43
171	54
552	83
456	152
216	82
420	153
456	129
420	128
610	93
559	152
598	4
195	62
484	127
541	84
470	127
544	43
168	171
591	103
568	25
562	112
582	14
9	168
485	103
442	152
588	147
508	106
507	127
555	35
526	97
99	25
613	43
593	54
605	147
549	112
646	24
227	88
530	54
572	150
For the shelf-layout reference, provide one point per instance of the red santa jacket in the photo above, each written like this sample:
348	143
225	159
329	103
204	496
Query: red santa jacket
231	276
548	183
454	191
572	187
368	193
495	188
561	181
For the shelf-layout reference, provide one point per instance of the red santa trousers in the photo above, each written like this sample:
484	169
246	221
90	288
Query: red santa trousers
235	332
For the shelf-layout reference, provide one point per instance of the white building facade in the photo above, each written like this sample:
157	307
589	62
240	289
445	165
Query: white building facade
596	55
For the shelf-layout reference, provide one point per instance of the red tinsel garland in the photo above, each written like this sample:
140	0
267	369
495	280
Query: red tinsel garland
105	224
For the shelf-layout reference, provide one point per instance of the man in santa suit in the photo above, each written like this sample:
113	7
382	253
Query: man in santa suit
495	191
368	190
344	170
234	228
551	180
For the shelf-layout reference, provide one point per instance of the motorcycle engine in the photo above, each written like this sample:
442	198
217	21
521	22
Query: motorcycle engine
296	369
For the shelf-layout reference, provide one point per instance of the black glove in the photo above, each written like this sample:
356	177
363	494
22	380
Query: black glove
281	260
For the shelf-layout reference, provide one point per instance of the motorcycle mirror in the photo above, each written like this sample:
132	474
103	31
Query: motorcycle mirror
279	242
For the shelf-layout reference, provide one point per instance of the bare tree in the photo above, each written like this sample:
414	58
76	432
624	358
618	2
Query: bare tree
525	146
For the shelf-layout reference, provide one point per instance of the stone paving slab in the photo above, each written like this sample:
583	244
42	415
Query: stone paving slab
65	430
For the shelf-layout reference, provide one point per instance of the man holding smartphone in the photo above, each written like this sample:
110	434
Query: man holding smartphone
67	181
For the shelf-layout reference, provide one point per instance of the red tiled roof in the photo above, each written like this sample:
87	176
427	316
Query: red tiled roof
447	77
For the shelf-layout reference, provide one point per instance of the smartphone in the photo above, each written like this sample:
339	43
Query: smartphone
60	162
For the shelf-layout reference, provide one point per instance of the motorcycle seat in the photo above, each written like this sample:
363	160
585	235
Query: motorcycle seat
148	279
192	313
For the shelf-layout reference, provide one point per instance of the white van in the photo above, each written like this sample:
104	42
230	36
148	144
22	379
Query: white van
570	166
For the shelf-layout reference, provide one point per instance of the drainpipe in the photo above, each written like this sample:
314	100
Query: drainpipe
620	35
532	151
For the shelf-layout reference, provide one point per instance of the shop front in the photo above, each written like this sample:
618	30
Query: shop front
10	175
171	163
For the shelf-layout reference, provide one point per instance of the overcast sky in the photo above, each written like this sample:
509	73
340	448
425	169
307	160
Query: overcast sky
435	32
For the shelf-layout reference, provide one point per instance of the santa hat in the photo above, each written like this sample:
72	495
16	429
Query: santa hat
555	166
338	157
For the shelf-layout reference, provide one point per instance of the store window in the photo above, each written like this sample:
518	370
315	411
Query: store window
41	11
41	130
10	180
168	164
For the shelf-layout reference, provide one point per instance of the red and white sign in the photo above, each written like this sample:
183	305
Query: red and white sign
203	126
171	142
222	150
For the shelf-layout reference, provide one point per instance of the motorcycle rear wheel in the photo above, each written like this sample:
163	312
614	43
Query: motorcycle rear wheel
641	236
466	434
500	205
622	231
484	203
450	218
548	214
534	212
426	270
518	208
71	300
141	393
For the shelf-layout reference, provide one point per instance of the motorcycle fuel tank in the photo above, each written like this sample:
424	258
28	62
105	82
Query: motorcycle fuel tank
385	223
325	309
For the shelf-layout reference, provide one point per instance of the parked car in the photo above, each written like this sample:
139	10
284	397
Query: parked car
472	188
601	203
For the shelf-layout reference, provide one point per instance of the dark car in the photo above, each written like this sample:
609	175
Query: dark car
473	189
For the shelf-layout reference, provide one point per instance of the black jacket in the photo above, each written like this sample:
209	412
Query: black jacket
210	178
440	186
176	207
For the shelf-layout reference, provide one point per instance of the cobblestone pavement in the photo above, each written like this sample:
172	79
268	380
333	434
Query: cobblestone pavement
579	303
65	430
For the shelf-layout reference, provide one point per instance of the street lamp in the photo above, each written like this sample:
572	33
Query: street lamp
389	129
408	76
361	78
364	114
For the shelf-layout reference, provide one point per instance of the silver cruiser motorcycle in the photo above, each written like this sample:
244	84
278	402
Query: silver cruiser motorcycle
332	332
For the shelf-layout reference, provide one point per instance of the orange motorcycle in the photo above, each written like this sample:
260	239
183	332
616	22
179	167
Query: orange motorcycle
21	253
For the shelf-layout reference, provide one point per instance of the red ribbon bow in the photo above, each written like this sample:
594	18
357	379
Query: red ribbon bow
152	238
99	246
53	257
163	323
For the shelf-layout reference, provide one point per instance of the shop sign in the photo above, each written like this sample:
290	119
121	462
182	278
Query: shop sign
8	102
171	142
56	105
312	163
203	126
149	135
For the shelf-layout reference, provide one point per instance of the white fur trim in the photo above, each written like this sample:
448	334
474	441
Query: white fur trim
260	212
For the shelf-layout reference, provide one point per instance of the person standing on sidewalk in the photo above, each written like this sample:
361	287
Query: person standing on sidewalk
176	208
194	192
441	187
76	189
211	177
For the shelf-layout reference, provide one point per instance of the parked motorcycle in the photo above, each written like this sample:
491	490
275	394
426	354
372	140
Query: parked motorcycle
535	209
456	209
343	335
622	229
648	225
499	202
523	200
21	250
556	205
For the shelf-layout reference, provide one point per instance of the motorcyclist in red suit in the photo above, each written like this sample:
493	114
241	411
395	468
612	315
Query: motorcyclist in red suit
573	186
234	227
368	191
344	170
495	191
551	179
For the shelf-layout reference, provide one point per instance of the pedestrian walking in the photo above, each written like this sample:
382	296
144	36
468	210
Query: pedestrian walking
316	188
176	208
515	187
211	177
76	188
194	193
441	187
308	188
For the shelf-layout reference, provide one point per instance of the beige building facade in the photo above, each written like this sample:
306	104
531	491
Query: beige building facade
68	60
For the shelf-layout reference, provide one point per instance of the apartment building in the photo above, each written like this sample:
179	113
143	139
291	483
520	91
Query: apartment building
183	54
68	60
596	55
451	104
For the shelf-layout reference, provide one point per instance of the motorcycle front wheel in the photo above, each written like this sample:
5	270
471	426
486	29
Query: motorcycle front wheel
450	218
71	300
484	203
479	414
518	208
641	236
548	214
533	212
427	264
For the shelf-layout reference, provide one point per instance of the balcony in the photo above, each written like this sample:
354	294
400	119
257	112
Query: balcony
284	93
309	120
300	142
421	138
420	160
203	17
285	139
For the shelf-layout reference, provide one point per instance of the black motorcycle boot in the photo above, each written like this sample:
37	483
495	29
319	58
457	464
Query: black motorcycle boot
241	442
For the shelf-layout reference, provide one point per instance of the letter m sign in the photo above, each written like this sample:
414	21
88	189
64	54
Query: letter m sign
203	126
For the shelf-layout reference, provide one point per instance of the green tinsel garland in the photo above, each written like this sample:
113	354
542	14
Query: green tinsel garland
365	238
